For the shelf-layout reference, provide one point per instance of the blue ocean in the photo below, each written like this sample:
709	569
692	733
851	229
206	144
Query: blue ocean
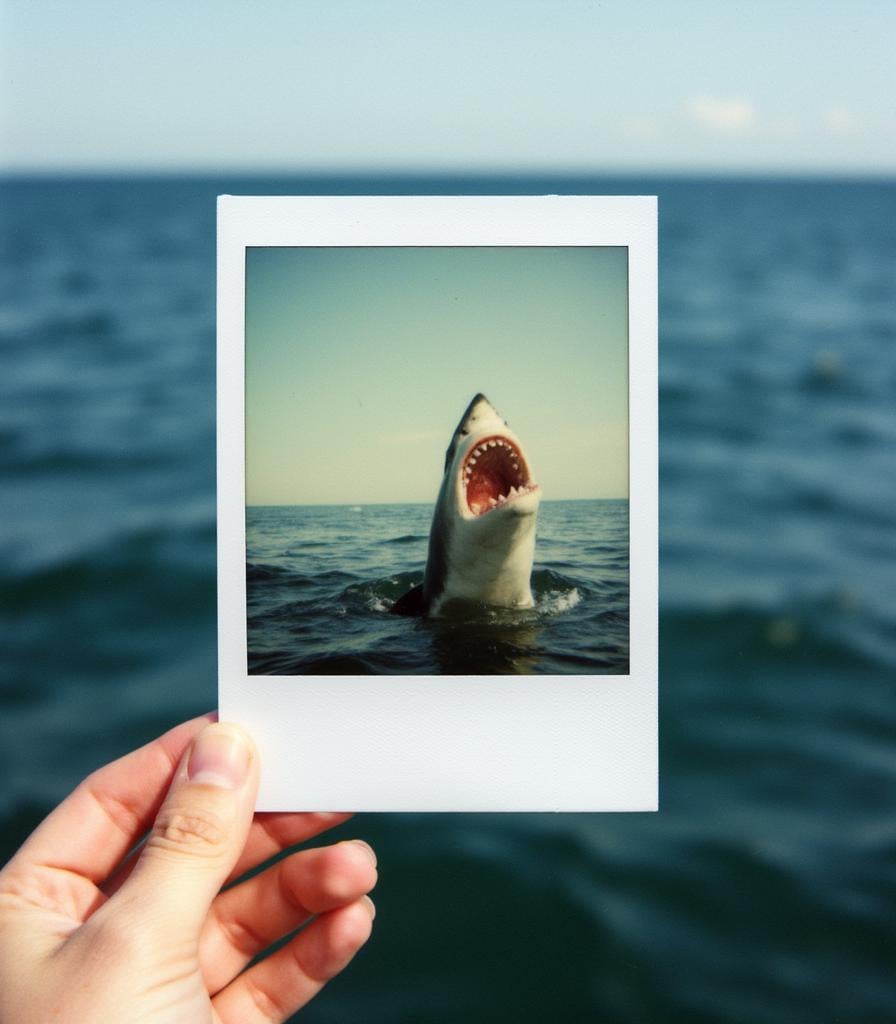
322	580
764	890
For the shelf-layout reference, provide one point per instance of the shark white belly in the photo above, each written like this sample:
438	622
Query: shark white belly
482	539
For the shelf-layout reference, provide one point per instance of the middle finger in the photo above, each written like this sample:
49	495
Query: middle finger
246	919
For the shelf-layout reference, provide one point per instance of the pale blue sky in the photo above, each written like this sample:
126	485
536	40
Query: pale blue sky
360	362
514	85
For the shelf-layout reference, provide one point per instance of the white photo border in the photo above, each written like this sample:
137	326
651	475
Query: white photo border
444	743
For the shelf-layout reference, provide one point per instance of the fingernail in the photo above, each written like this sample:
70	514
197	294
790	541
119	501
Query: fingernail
366	846
220	757
371	906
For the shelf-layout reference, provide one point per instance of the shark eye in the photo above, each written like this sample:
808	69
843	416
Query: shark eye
464	433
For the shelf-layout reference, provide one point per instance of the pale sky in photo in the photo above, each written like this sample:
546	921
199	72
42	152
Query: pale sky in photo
360	362
448	85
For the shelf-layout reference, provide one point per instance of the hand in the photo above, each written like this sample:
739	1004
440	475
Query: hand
88	934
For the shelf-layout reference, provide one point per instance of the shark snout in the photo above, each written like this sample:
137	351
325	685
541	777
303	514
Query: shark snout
481	415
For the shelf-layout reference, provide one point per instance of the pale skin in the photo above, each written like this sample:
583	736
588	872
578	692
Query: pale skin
92	929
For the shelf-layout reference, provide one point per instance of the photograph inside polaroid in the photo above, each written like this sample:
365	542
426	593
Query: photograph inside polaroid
437	460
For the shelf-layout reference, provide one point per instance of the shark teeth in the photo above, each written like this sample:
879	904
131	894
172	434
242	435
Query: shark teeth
518	492
480	508
494	473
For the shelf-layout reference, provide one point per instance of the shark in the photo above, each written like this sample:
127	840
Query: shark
482	538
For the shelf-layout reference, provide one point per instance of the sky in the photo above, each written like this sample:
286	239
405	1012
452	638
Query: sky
392	85
360	363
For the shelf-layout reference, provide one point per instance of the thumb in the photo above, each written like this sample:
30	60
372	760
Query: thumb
199	832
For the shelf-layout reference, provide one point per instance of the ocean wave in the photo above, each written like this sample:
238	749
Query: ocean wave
285	662
261	573
378	595
555	602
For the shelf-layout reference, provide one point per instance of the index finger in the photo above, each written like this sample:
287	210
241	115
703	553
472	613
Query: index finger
271	833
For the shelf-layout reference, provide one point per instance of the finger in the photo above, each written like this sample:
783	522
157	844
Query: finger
273	832
198	833
270	834
271	991
250	917
93	828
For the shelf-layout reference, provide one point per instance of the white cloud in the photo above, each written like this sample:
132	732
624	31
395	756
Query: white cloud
731	116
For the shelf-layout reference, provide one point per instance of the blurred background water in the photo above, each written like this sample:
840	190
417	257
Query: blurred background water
765	888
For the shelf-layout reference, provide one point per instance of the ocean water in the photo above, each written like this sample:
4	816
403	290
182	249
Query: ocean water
321	581
764	890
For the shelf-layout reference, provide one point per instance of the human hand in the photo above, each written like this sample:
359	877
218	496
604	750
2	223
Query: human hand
88	934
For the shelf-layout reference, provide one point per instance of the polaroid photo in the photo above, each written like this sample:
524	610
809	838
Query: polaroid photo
437	499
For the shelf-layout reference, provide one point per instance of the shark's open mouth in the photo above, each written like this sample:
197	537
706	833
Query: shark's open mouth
494	473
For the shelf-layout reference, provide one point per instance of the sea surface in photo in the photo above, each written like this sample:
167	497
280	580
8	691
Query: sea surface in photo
321	581
763	892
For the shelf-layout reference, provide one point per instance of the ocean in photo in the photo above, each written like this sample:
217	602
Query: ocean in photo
764	890
321	581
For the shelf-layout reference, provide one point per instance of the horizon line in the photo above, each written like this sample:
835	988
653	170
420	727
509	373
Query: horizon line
436	174
376	504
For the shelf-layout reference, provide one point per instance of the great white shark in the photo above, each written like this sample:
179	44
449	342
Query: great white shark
482	539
